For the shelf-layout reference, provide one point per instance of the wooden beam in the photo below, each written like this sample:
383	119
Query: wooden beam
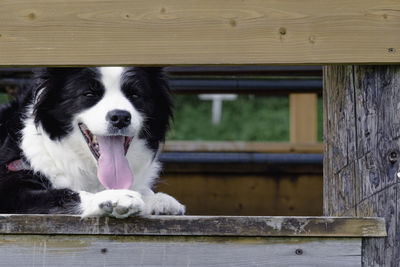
194	226
239	146
244	194
157	32
362	146
303	117
100	250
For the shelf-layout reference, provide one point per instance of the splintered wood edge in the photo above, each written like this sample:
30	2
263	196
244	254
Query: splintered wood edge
261	226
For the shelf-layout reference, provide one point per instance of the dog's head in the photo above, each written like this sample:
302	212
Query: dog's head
109	105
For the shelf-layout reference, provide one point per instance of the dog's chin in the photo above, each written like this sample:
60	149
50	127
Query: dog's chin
92	139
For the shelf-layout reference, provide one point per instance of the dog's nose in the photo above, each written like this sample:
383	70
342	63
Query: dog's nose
119	118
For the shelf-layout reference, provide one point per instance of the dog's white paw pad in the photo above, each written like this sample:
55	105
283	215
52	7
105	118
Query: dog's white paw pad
114	203
107	207
163	204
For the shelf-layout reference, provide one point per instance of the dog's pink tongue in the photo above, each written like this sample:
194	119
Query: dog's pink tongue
113	171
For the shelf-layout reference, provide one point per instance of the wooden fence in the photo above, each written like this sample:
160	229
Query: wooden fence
60	240
272	187
361	123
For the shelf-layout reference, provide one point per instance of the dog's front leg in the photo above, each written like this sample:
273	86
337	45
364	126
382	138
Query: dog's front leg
160	204
113	203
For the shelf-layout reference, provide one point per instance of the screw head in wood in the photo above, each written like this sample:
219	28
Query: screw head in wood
299	251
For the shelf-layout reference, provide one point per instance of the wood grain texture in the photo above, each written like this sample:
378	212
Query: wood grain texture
241	146
362	146
245	194
303	118
276	170
194	226
156	32
44	250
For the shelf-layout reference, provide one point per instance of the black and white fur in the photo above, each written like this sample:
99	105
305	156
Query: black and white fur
41	127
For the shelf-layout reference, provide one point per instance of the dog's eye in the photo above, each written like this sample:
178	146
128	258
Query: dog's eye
93	90
133	94
89	94
132	90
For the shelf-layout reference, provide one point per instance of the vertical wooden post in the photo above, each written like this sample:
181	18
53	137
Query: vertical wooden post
303	117
362	151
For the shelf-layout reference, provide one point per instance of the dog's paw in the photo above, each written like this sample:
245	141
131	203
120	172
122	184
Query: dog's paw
113	203
162	204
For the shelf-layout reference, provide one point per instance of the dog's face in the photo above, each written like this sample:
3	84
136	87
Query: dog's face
117	110
131	102
109	106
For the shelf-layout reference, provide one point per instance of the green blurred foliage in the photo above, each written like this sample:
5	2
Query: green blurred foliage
248	118
3	98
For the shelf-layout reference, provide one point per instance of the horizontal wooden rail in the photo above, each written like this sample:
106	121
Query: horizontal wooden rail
205	85
245	86
215	71
59	240
260	80
241	158
237	71
239	146
156	32
195	226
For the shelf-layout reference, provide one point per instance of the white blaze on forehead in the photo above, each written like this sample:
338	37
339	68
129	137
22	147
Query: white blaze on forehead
113	98
111	77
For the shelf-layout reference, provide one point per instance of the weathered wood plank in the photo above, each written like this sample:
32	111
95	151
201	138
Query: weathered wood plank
119	32
224	192
22	250
303	117
194	225
241	146
362	146
339	141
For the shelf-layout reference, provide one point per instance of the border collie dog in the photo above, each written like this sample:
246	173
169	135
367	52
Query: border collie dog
85	141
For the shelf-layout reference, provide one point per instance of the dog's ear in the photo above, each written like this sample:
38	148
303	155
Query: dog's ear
49	84
45	77
160	116
49	79
157	76
159	83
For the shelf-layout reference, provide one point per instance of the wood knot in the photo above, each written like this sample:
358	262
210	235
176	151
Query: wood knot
311	39
232	22
299	251
393	157
31	16
282	31
104	250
